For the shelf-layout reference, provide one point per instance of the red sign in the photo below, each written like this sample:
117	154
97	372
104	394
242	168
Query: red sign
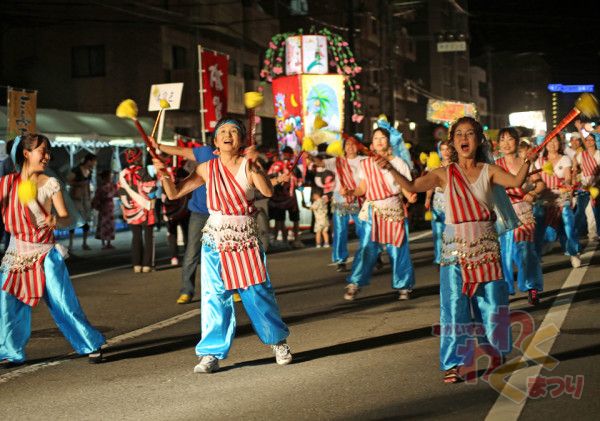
214	87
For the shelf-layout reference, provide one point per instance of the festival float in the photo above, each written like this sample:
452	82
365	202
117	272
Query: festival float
310	76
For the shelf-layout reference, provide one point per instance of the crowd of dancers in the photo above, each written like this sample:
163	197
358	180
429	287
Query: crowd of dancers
492	211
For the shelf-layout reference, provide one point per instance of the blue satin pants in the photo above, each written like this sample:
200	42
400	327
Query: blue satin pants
566	232
15	317
218	313
465	322
437	226
524	256
339	253
403	274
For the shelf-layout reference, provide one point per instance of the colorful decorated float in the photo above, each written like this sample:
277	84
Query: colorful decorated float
310	76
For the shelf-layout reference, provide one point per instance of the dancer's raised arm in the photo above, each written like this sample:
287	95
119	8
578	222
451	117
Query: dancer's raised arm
191	183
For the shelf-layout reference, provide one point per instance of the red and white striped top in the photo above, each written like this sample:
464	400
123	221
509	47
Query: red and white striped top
242	264
554	181
515	194
589	164
27	283
470	221
464	204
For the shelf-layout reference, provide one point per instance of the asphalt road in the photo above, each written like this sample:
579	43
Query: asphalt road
374	358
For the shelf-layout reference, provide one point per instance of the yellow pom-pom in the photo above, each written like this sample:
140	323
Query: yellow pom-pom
253	99
27	192
407	146
164	104
382	117
423	158
127	109
308	145
319	123
335	148
433	161
594	192
428	216
548	168
587	104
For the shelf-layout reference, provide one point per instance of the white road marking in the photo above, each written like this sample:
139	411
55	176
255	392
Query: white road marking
28	369
504	408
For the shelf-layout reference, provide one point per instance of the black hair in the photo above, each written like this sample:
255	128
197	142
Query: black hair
316	190
479	154
512	132
89	157
560	146
287	149
29	142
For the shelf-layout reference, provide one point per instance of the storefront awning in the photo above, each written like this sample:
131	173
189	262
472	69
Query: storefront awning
86	130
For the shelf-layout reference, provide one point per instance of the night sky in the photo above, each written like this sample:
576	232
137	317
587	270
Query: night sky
566	32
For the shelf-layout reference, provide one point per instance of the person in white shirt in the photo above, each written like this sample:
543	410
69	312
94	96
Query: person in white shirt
384	215
587	168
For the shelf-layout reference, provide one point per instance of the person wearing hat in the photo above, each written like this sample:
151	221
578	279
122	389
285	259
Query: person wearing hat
136	190
574	145
233	259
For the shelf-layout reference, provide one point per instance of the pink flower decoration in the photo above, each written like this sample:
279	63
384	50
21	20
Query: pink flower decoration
267	62
357	86
344	44
339	71
272	45
358	104
332	63
358	69
269	79
277	70
351	59
261	88
359	118
347	69
337	58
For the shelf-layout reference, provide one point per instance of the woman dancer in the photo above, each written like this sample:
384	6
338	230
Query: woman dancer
470	273
232	256
383	215
558	219
439	205
518	245
33	266
345	208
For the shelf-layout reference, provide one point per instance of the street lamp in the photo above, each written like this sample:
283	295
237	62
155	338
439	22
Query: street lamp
412	126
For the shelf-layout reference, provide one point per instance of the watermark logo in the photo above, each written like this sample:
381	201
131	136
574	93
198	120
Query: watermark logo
483	346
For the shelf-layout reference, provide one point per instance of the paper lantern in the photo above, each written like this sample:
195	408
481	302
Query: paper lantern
308	106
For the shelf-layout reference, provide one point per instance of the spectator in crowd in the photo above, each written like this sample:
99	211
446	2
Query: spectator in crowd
137	191
103	202
175	213
319	209
79	181
285	180
198	217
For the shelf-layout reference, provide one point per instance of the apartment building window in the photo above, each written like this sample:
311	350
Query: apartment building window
179	59
88	61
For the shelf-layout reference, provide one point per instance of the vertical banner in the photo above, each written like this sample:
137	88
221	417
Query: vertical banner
287	101
21	110
213	87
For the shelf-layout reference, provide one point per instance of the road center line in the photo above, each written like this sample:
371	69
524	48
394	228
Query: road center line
504	408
